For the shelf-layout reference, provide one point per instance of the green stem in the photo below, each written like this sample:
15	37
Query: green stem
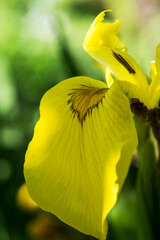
158	162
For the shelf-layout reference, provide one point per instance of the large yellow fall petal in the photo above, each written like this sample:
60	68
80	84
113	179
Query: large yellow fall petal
155	76
103	44
84	131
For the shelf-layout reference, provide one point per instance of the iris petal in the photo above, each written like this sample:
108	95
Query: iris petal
71	163
103	44
155	76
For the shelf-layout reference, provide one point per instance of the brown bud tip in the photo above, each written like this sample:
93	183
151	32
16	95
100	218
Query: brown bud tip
139	109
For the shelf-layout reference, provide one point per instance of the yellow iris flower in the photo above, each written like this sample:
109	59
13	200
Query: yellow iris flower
24	201
82	146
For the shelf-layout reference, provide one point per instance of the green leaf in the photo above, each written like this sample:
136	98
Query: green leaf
147	194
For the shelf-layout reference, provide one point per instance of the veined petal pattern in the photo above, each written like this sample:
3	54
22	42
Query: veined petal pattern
75	164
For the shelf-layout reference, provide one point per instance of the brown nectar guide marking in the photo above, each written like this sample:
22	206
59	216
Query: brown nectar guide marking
84	99
121	60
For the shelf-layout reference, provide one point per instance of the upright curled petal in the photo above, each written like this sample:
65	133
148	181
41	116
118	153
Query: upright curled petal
103	44
155	76
70	165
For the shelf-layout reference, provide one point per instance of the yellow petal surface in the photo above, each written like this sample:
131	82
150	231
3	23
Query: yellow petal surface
84	130
103	44
155	76
129	89
109	77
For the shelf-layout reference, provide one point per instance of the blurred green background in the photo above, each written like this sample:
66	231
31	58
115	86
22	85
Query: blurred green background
41	45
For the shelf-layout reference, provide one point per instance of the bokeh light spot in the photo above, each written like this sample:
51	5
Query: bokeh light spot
5	171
